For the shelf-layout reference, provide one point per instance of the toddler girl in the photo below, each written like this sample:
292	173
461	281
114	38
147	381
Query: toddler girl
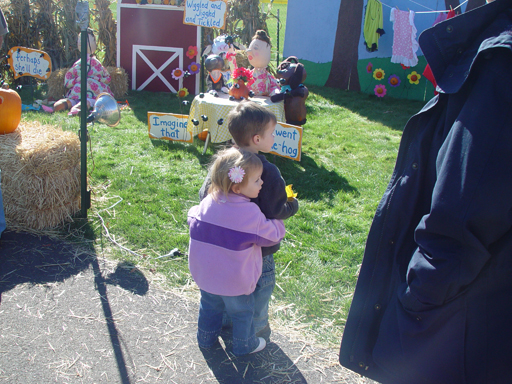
227	232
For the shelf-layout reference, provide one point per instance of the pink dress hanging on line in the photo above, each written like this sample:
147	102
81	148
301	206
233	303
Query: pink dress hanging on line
404	38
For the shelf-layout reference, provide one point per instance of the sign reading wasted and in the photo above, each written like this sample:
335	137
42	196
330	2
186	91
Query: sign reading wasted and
205	13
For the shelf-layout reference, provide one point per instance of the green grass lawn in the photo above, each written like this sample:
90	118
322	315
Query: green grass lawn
143	188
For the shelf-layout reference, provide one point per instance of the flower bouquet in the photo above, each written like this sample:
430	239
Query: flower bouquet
239	90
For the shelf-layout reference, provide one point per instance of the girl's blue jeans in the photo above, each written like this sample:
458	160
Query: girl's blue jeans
262	295
2	215
241	311
263	292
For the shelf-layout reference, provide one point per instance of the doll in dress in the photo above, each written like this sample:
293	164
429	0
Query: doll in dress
98	80
258	54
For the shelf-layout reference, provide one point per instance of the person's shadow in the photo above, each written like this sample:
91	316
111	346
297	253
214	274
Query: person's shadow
268	366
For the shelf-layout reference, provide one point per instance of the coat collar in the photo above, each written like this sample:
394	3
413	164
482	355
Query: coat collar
452	46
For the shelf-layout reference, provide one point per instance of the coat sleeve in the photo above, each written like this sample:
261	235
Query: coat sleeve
270	232
471	204
272	199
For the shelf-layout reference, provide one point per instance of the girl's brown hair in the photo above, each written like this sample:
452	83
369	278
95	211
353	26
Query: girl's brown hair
226	160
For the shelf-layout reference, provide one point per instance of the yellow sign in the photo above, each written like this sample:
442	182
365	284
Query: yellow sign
169	126
29	62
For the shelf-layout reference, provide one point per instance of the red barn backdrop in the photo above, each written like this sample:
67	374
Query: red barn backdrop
151	42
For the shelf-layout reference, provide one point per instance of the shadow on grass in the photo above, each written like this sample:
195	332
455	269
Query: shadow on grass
164	102
33	260
195	148
311	181
391	112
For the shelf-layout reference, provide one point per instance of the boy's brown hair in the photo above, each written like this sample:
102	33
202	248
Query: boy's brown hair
248	119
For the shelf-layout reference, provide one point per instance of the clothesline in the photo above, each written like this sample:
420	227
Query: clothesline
431	11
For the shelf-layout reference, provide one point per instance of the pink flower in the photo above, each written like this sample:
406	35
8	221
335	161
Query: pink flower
236	174
191	52
380	90
369	67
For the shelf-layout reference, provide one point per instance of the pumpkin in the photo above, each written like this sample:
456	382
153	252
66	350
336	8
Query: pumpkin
202	136
10	110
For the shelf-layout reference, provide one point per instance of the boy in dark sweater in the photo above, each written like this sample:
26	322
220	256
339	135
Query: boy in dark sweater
252	127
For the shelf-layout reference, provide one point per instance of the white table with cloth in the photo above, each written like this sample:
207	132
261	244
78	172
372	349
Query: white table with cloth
216	108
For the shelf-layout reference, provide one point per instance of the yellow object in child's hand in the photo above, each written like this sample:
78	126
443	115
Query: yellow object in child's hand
289	192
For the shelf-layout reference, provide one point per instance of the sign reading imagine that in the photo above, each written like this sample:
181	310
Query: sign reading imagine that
169	126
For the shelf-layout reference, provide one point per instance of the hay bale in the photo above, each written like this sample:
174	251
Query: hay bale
55	82
118	83
241	59
40	176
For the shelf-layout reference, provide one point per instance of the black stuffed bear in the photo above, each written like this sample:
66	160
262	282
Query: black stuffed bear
291	74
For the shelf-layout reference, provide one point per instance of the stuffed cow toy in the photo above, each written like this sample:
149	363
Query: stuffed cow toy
291	75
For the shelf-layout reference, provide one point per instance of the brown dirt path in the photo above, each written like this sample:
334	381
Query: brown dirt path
69	316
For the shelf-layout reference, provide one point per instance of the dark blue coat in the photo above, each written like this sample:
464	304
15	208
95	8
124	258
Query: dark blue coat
433	302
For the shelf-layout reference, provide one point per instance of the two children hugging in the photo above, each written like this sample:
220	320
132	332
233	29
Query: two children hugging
252	127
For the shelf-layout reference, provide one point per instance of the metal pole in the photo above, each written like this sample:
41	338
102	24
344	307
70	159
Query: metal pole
82	10
277	53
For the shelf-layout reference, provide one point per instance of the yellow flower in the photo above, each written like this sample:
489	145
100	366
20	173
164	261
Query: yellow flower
183	92
289	192
378	74
414	77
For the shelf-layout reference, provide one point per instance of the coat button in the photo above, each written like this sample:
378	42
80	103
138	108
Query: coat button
391	242
361	364
449	29
415	166
377	307
418	318
460	51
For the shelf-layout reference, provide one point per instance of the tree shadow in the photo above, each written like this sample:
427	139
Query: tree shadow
29	259
391	112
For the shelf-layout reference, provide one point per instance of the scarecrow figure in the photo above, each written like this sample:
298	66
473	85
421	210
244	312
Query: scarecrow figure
214	64
258	54
98	79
